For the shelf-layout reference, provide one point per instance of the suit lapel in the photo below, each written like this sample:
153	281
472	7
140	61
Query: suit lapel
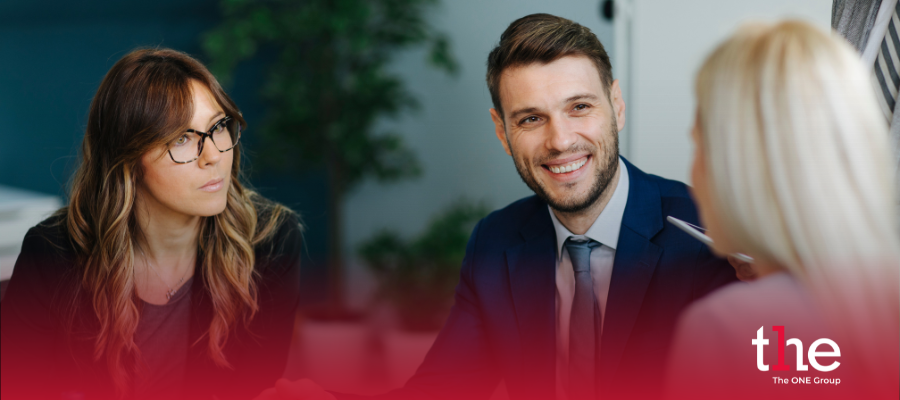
634	265
532	275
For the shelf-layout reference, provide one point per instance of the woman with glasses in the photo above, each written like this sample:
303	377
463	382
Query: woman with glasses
793	168
164	277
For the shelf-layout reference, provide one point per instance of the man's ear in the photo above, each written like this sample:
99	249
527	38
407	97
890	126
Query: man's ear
500	130
618	104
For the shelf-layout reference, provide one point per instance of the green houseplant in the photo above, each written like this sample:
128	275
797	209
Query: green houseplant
326	87
418	276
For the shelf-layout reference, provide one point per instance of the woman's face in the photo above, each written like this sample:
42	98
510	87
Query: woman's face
701	192
198	188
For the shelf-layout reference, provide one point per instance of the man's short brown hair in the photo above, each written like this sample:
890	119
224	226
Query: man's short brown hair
544	38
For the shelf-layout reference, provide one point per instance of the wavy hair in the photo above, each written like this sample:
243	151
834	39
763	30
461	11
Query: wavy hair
798	158
144	102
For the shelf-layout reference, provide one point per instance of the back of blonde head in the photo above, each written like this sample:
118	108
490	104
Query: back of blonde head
800	170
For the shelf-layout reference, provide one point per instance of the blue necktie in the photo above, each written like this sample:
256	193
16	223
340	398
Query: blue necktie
584	323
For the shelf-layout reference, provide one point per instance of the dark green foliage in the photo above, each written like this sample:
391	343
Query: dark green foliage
326	87
328	84
419	276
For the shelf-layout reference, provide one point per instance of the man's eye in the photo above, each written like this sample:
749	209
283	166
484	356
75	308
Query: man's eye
581	107
529	120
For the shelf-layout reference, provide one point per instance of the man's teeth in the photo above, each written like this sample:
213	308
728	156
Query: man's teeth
568	167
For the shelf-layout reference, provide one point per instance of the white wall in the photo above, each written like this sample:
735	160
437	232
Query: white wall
669	41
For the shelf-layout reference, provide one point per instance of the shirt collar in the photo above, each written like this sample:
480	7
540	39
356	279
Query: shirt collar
605	228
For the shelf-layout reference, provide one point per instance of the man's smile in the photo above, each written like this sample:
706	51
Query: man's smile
567	169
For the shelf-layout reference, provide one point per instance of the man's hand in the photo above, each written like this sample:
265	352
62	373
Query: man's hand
303	389
744	270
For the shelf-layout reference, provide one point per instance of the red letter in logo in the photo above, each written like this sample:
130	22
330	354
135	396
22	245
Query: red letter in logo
781	366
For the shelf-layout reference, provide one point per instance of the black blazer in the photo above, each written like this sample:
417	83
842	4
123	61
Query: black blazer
41	360
503	323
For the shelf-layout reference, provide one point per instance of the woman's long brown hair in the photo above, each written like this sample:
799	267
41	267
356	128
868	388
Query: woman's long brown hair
144	101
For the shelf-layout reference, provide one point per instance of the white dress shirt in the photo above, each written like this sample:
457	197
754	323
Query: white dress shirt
605	230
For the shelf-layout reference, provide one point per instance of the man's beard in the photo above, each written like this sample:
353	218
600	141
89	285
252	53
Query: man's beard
603	174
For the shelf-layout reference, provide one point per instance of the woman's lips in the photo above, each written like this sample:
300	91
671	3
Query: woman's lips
213	186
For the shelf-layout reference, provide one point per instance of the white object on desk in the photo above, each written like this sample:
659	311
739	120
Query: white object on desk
694	231
20	210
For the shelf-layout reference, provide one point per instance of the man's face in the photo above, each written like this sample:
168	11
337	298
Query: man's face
561	129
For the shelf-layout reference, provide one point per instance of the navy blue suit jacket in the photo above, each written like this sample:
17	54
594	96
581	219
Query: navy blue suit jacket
503	323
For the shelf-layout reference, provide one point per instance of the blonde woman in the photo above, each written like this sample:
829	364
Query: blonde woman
793	167
164	277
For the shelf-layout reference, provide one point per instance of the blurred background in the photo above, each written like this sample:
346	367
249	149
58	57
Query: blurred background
369	118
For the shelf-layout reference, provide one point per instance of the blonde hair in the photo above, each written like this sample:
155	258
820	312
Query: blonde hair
142	103
798	159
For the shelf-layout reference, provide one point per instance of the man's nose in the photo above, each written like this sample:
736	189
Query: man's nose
560	135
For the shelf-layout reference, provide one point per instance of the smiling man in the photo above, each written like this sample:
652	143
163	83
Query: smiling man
589	254
572	293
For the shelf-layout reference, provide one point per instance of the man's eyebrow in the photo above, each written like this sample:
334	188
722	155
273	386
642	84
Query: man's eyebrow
582	96
522	111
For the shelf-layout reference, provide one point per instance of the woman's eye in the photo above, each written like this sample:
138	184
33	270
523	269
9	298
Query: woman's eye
182	140
218	128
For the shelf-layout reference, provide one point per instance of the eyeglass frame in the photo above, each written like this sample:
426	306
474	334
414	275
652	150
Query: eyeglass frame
208	134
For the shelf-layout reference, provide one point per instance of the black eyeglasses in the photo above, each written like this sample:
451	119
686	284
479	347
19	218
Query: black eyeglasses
224	135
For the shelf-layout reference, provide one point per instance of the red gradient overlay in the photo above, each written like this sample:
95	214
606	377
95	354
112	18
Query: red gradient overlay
89	382
364	359
712	358
777	345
